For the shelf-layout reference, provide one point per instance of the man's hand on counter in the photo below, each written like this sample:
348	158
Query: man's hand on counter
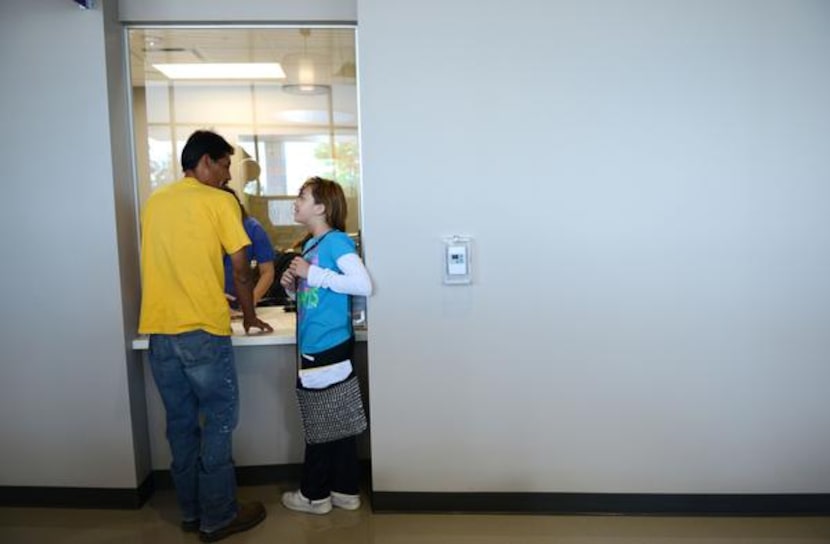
256	322
245	293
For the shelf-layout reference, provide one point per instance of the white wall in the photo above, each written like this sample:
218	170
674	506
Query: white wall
64	390
222	11
269	431
648	193
648	189
126	218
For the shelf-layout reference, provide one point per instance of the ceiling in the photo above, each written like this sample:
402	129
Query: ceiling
333	49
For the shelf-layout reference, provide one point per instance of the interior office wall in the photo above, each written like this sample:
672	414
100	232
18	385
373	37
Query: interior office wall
269	431
256	11
126	216
646	184
64	375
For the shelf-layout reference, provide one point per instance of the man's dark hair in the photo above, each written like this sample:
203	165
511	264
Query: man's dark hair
201	142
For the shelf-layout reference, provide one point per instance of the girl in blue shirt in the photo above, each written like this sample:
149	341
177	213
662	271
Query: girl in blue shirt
322	279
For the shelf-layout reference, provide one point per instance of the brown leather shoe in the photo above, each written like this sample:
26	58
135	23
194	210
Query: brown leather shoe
250	515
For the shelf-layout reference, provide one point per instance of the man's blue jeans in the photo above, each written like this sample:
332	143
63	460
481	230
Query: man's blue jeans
195	375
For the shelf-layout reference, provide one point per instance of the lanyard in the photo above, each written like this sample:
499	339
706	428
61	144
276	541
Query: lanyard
315	244
297	315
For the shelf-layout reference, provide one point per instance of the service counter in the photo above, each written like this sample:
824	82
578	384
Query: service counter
269	430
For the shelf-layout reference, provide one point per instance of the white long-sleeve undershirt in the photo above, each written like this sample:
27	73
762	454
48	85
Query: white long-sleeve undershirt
354	279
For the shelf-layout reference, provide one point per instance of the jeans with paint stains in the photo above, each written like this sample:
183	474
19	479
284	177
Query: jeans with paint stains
196	378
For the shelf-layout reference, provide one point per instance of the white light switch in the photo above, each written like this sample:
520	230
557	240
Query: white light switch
457	260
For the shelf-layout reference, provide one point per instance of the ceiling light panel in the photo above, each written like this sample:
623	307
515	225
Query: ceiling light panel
207	70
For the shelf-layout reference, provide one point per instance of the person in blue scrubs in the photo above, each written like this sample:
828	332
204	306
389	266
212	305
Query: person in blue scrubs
260	252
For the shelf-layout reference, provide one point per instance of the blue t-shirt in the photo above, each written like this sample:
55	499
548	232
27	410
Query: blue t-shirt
324	316
260	251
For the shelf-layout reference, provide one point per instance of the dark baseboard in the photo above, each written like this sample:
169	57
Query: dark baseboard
507	503
259	475
77	497
602	503
94	497
256	475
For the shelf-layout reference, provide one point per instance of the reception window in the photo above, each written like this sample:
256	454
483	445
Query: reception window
285	98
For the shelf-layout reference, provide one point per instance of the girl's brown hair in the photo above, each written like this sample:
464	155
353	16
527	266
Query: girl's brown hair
241	207
329	194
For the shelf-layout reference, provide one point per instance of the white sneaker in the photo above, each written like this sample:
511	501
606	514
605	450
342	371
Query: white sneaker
295	500
344	501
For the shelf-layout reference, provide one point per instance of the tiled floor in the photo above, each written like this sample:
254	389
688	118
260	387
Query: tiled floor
157	523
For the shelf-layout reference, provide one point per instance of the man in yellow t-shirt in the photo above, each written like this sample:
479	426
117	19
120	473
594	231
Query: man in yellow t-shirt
187	226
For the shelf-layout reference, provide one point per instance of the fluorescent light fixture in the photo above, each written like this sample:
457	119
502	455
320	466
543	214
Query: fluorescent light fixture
209	70
306	88
317	117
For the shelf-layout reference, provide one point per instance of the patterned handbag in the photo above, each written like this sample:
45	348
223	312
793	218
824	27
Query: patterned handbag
332	413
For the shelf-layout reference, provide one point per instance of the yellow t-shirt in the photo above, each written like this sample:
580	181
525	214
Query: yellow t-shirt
186	226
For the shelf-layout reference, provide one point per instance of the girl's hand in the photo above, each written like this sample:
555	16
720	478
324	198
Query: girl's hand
287	280
299	267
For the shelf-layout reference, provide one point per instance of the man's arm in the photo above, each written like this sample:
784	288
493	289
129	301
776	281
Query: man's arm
266	278
244	292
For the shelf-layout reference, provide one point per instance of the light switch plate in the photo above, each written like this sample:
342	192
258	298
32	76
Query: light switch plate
457	263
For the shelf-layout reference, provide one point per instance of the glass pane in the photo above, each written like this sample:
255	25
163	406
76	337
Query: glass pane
284	129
